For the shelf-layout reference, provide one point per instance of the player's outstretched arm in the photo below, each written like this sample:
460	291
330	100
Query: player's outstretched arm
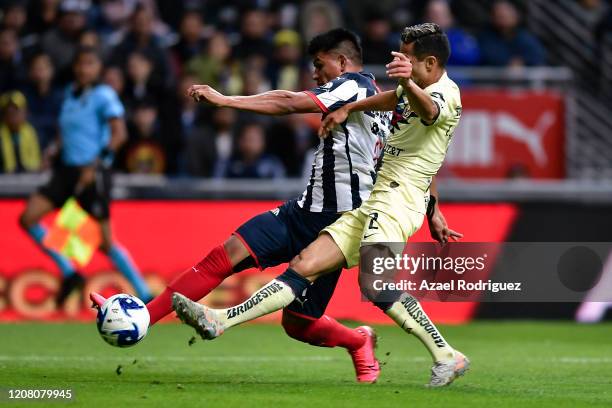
384	101
276	102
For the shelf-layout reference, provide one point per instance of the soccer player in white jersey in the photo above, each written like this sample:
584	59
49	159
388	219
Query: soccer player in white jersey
427	108
342	177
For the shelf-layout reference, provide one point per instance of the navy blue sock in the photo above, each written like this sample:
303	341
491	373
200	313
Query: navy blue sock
295	281
385	304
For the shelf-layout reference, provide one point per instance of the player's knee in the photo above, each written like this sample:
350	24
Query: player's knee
294	263
236	251
304	265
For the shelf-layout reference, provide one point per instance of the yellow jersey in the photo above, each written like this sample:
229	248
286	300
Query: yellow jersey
414	150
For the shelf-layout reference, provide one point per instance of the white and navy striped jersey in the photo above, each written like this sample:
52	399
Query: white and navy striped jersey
344	167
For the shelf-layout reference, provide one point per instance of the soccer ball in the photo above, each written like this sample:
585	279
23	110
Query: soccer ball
123	320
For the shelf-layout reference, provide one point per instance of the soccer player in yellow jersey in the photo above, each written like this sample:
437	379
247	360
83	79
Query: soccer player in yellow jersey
426	109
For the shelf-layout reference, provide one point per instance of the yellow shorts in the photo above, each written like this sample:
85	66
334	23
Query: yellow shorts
384	217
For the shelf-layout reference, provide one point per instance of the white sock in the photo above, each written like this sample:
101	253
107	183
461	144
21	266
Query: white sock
409	315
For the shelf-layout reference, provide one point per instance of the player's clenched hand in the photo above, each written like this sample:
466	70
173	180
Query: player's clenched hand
206	93
332	120
439	229
400	68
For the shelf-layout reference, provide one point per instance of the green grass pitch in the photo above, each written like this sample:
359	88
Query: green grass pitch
514	364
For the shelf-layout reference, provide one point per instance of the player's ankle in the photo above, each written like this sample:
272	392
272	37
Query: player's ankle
354	346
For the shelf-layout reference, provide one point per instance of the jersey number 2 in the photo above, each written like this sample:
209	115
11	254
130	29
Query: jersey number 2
373	217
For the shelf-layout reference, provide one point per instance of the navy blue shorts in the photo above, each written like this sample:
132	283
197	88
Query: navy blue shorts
277	236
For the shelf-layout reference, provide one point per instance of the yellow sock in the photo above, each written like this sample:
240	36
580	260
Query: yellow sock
270	298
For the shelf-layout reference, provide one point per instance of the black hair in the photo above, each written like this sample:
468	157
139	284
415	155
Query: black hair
428	39
339	40
84	50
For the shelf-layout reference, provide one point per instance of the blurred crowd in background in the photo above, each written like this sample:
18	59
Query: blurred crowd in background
154	50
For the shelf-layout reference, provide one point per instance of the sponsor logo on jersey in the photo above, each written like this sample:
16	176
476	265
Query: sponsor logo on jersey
401	116
392	150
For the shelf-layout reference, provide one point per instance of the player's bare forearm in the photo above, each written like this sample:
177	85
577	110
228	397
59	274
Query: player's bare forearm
276	102
420	101
383	101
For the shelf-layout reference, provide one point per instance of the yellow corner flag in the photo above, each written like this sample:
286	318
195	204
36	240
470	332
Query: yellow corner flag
74	233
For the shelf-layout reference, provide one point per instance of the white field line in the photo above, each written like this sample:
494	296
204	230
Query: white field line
583	360
179	359
254	359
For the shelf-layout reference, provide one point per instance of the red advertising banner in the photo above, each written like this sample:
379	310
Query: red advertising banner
166	237
508	134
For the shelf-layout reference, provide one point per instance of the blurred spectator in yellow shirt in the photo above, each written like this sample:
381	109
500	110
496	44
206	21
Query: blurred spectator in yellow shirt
20	150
